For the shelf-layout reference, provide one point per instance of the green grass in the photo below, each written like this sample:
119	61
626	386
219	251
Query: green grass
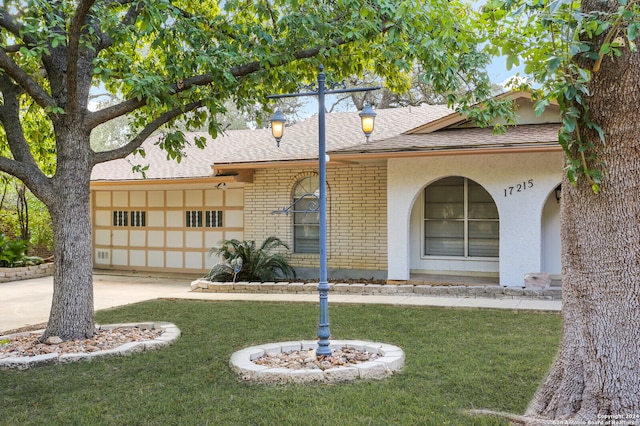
455	360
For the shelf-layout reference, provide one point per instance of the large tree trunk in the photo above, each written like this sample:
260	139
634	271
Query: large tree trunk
596	376
72	314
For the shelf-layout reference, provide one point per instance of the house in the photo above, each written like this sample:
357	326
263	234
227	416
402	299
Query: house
429	194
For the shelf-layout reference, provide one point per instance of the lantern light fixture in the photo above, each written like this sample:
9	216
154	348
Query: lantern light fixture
367	117
277	125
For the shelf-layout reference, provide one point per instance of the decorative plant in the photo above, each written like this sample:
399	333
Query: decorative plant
13	253
244	261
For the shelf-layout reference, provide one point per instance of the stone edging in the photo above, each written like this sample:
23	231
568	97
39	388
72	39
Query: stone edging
492	292
391	361
171	333
26	272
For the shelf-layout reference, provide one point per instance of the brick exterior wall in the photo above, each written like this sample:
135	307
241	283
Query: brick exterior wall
356	214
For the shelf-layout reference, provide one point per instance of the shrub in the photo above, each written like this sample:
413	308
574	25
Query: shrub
244	261
24	215
13	253
41	232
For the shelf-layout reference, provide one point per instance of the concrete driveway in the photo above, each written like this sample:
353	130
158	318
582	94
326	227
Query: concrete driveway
28	302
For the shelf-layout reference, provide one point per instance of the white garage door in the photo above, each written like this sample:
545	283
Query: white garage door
168	230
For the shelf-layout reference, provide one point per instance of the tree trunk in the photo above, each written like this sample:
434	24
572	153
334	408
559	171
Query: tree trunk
72	314
596	375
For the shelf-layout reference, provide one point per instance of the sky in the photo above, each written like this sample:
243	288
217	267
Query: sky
498	72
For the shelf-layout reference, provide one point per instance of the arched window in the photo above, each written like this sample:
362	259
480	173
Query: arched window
460	219
306	216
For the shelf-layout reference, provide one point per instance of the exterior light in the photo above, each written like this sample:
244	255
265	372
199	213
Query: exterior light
277	125
368	117
558	192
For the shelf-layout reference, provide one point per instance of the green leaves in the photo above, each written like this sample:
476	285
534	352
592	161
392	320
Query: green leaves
13	253
541	105
561	47
158	56
265	263
173	143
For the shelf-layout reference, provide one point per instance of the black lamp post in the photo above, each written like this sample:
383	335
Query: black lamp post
367	116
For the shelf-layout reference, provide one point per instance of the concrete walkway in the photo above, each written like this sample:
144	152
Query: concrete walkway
27	303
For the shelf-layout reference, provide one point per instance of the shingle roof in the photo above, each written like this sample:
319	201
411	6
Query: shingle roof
462	139
300	142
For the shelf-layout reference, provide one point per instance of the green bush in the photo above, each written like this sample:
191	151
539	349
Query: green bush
27	217
13	253
40	228
245	262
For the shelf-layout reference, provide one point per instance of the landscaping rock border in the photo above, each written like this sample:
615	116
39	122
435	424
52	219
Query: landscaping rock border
486	291
170	334
26	272
390	361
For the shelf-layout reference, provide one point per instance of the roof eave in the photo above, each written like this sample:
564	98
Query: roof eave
445	151
160	181
457	118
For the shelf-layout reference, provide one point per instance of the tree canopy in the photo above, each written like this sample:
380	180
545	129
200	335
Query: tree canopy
174	64
563	44
166	58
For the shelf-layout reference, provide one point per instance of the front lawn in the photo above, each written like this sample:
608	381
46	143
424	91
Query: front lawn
455	360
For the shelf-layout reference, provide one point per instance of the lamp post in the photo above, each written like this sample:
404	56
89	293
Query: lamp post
277	128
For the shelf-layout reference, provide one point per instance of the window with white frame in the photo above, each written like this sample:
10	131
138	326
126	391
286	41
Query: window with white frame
460	219
306	216
120	218
134	218
212	218
193	218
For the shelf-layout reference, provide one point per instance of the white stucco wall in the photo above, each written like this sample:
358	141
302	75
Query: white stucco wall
520	211
551	236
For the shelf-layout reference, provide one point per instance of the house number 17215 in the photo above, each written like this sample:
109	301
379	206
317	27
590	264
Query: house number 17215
522	186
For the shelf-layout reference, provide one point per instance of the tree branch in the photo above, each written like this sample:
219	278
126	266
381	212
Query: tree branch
102	116
8	22
272	15
128	19
123	151
25	81
10	119
35	180
14	48
23	166
14	168
73	47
